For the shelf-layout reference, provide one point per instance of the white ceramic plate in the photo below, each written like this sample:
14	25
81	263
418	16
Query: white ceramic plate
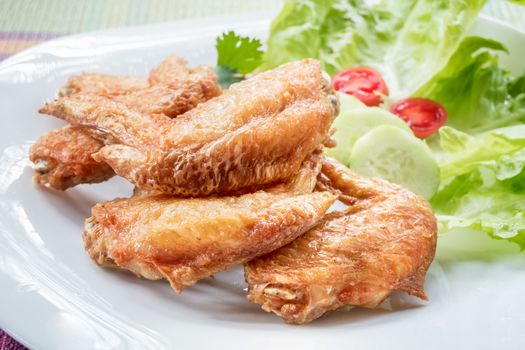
54	297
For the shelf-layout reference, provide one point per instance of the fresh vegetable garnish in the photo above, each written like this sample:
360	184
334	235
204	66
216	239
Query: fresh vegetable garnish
348	102
408	41
236	56
395	155
351	124
424	116
477	92
362	82
483	183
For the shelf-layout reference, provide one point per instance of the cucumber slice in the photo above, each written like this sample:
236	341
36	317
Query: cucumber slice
348	102
395	155
352	124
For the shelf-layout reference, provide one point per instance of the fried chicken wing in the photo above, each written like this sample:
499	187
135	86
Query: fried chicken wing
102	84
174	89
171	89
384	242
257	132
62	158
175	98
185	240
172	69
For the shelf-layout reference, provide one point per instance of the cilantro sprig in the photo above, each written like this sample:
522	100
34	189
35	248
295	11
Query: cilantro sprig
236	57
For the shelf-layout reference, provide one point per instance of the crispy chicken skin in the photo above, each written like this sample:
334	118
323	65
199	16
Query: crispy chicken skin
257	132
174	88
171	89
173	67
384	242
171	71
102	84
185	240
63	157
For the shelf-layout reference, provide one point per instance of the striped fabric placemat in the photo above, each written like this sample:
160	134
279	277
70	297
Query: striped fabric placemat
24	23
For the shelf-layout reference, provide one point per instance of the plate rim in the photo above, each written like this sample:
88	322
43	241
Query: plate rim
176	25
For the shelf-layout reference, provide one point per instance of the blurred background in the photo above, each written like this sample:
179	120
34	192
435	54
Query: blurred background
24	23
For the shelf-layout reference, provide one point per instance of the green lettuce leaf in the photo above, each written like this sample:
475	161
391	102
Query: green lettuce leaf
478	94
407	40
483	183
463	153
431	32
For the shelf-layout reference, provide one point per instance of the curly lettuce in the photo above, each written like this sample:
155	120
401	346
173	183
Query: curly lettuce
483	183
477	92
406	40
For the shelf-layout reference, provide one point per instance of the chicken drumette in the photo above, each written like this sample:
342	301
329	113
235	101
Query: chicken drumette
184	240
384	242
62	157
257	132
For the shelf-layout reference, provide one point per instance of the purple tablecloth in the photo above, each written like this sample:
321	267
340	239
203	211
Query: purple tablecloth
8	343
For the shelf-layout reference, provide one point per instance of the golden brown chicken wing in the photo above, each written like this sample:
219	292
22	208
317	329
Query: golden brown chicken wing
172	70
175	98
62	158
171	89
184	240
102	84
384	242
257	132
175	88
